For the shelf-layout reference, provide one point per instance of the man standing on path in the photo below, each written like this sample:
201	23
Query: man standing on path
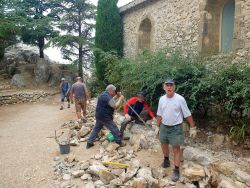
80	93
65	92
172	108
104	115
138	104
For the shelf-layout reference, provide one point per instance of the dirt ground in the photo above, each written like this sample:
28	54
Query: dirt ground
28	148
26	151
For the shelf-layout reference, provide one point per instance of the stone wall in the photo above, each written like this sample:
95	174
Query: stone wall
241	42
23	97
185	24
174	23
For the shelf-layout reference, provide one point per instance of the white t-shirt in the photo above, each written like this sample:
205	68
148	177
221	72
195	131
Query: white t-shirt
172	110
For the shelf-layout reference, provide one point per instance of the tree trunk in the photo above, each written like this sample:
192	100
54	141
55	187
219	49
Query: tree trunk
80	45
41	45
80	62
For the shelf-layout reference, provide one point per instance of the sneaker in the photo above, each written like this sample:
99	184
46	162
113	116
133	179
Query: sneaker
89	145
176	175
61	108
68	105
165	164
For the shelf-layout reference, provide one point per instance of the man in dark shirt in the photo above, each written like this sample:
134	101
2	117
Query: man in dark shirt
104	115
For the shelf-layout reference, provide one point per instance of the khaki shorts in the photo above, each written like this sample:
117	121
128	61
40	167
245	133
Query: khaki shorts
172	135
80	104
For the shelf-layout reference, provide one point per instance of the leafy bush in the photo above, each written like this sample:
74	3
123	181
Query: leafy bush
204	84
148	72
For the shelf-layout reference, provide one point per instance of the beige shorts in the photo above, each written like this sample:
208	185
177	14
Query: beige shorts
80	104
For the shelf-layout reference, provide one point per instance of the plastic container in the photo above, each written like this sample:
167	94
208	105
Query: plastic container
110	137
64	148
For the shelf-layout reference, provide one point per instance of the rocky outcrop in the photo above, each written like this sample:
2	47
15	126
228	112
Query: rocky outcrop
18	80
21	54
23	64
42	71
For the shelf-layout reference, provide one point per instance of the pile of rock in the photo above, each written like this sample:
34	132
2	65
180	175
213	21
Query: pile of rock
99	171
23	97
204	169
114	166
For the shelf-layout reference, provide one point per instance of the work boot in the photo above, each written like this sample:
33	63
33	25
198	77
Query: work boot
165	164
89	145
122	129
122	144
176	175
61	108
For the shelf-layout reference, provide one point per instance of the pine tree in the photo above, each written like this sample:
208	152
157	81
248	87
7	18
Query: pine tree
108	33
76	24
36	24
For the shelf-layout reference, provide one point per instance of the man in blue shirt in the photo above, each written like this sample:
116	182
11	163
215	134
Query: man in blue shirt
104	115
64	89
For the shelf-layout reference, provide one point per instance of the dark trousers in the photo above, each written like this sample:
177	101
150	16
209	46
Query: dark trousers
125	123
108	124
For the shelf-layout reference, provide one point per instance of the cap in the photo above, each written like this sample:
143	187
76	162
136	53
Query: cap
141	94
169	81
62	79
110	87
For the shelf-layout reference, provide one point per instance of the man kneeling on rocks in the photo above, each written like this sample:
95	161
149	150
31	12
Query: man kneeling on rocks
104	115
132	108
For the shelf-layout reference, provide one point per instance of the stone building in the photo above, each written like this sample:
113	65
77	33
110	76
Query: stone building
209	27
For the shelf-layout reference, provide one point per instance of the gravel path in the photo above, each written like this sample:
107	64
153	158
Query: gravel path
27	153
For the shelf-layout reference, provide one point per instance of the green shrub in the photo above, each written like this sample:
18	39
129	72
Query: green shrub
238	133
148	71
204	83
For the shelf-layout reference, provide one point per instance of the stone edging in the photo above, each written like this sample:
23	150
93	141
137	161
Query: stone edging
24	97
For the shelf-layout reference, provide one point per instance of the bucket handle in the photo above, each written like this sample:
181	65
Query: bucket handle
56	137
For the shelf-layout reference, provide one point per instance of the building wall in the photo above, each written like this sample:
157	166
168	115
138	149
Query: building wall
241	41
188	25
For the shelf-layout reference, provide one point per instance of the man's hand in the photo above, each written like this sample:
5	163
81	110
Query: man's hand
127	117
121	97
118	94
192	132
156	131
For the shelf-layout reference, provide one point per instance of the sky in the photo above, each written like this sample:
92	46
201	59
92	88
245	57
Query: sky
55	54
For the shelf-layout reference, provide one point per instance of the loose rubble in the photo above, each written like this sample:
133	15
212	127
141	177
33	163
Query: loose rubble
114	166
24	97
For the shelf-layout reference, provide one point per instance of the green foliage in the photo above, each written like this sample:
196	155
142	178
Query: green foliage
108	33
8	27
204	85
238	133
95	87
148	72
76	17
36	22
235	89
